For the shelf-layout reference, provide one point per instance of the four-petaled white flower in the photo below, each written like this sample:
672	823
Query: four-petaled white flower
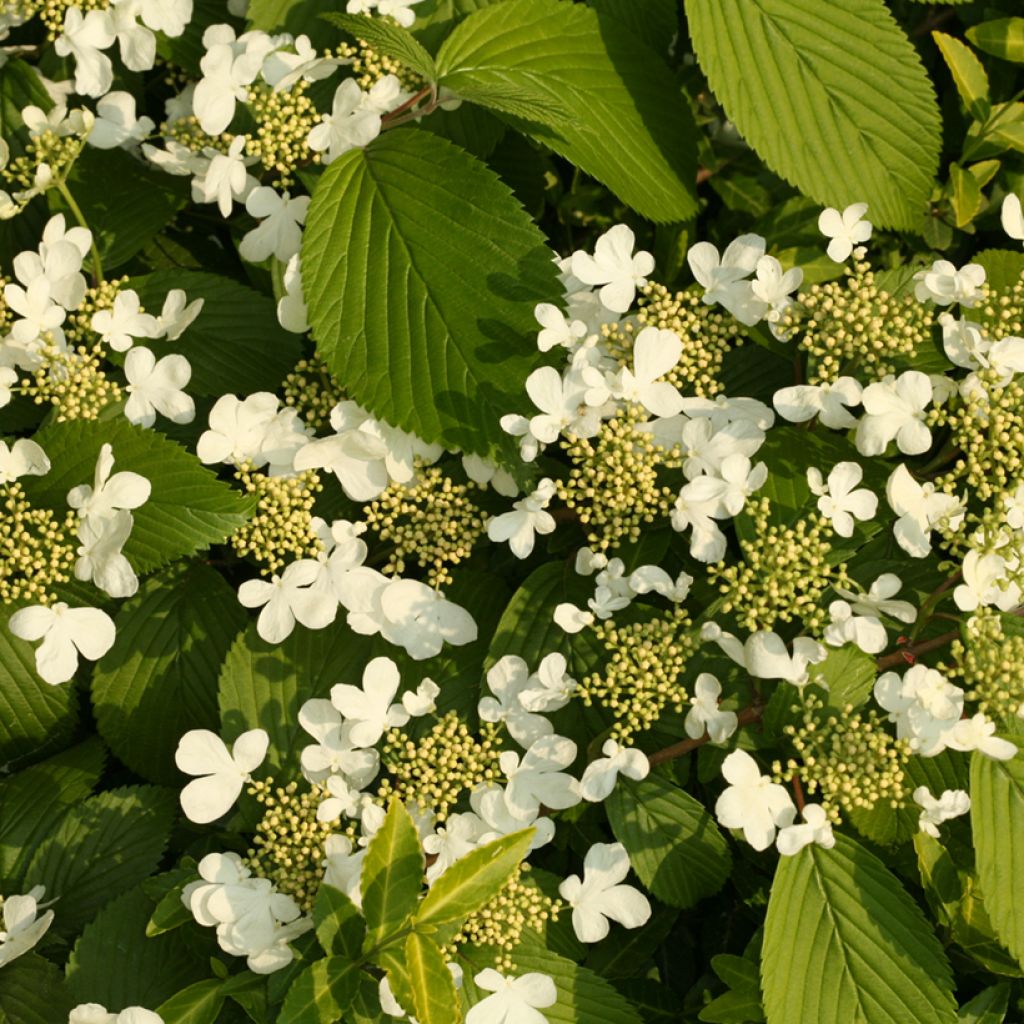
287	599
706	715
846	230
894	410
225	178
279	233
978	733
614	267
921	508
600	775
601	897
157	386
96	1013
924	705
84	37
865	631
765	655
936	810
507	679
527	518
751	802
879	601
550	687
816	828
24	458
724	278
352	123
120	325
655	353
557	328
65	633
830	401
514	1000
943	284
23	925
116	123
221	773
99	555
838	500
109	494
727	493
537	780
366	709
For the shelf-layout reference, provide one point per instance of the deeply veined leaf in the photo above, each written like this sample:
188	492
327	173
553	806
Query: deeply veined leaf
392	874
968	73
160	678
1003	37
997	821
433	988
673	843
845	944
188	508
558	56
388	38
966	197
471	881
322	992
987	1007
832	97
339	925
431	330
32	991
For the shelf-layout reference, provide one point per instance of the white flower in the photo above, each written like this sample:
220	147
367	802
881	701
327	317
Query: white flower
157	387
1012	217
488	801
116	123
846	230
124	322
865	631
137	44
878	600
655	353
94	1013
978	733
987	582
282	70
507	679
615	267
229	67
177	314
764	655
99	555
482	472
351	124
109	494
774	288
460	835
333	753
724	279
65	633
838	501
557	328
38	316
343	868
515	1000
921	509
600	896
648	578
829	401
727	493
84	37
366	708
225	178
536	780
816	829
287	599
600	775
291	307
280	233
527	518
705	714
751	801
894	409
400	10
253	430
935	811
168	16
23	925
550	687
8	380
944	284
24	458
221	774
559	400
924	705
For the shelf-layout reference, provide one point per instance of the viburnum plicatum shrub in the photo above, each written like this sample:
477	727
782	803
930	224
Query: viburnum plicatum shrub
513	512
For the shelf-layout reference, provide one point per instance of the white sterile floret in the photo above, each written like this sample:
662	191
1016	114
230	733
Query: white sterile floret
291	307
59	260
282	70
648	579
655	353
488	802
289	598
614	267
120	325
99	555
987	582
343	868
65	633
229	67
921	508
924	705
537	779
96	1013
774	287
24	458
514	1000
559	400
978	733
550	687
726	493
116	123
600	775
459	835
157	386
702	446
482	472
279	233
846	230
352	123
527	518
366	709
830	401
221	773
225	178
879	601
816	828
936	810
507	679
724	279
557	328
23	925
864	631
601	897
84	37
39	319
257	430
943	284
894	410
705	715
178	314
707	542
1012	217
765	656
334	753
839	500
751	801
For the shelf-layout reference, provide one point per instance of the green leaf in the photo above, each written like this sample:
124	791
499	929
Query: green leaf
392	875
200	1003
33	801
831	96
1003	37
32	991
607	77
263	686
742	1002
656	22
160	678
169	913
987	1007
188	510
235	345
339	925
471	882
20	87
321	993
966	197
388	38
997	821
431	330
35	717
105	845
674	845
1003	267
845	944
968	73
433	988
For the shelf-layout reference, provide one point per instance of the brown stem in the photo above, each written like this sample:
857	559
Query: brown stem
746	717
908	655
798	794
390	116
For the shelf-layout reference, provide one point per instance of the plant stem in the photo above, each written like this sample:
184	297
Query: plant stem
746	717
97	264
908	655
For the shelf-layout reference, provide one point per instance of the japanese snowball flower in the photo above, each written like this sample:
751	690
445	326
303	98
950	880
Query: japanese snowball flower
94	1013
751	802
221	774
23	925
65	633
514	1000
846	230
601	897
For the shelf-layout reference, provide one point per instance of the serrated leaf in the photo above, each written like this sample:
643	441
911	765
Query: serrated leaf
235	345
169	913
392	875
20	87
1001	37
674	845
322	992
188	510
432	331
969	75
470	882
200	1003
433	988
1003	267
966	197
105	845
340	927
832	97
387	38
160	678
607	76
32	991
987	1007
845	944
